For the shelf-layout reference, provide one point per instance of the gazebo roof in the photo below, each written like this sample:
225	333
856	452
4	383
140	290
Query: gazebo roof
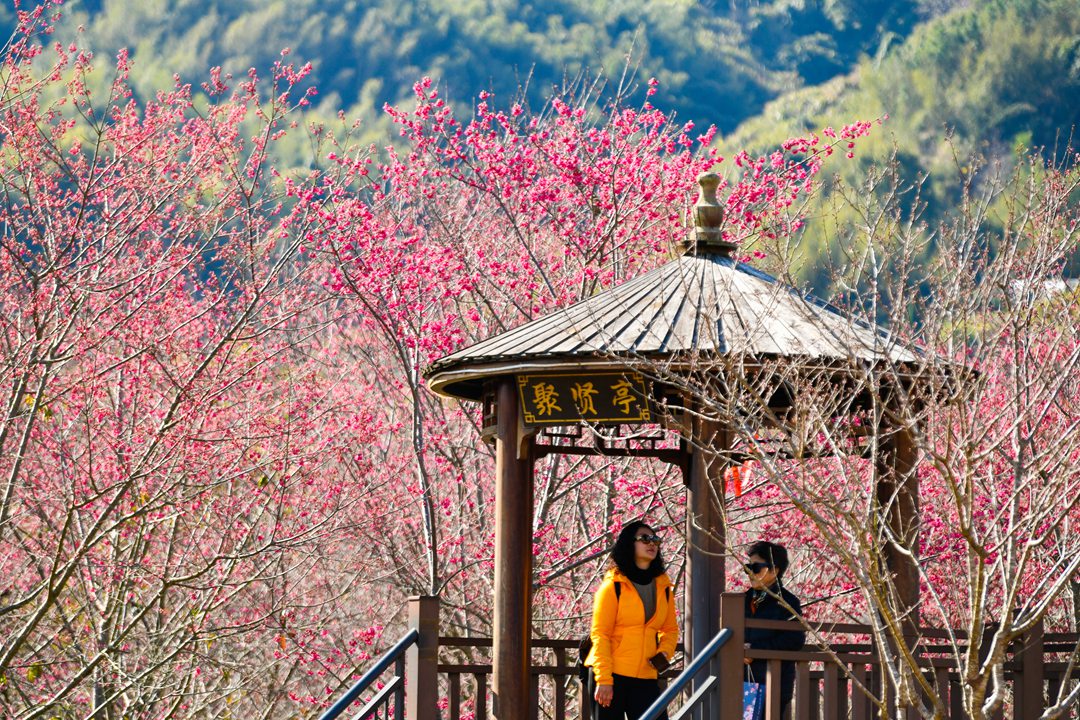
704	302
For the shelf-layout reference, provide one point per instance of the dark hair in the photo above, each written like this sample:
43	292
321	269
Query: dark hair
775	554
622	555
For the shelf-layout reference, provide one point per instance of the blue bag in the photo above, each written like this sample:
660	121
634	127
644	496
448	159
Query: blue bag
753	701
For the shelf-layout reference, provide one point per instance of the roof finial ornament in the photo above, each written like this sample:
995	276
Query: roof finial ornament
706	237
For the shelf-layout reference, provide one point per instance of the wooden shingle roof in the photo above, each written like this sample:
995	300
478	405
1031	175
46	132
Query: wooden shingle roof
704	302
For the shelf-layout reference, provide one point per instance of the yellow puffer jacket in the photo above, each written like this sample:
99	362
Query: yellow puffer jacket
622	639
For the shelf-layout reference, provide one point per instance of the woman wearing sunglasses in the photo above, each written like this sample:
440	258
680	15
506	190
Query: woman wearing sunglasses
634	630
768	599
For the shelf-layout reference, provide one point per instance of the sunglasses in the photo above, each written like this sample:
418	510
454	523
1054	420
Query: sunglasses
651	539
756	567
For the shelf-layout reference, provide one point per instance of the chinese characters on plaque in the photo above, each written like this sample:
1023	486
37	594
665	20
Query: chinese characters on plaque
556	399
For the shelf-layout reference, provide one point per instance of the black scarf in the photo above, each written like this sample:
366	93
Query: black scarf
639	576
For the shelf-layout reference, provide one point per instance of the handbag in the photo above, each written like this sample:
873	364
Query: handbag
753	700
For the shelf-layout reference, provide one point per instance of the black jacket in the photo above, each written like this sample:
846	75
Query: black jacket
761	639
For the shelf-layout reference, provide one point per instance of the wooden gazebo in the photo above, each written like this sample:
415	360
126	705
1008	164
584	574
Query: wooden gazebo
596	362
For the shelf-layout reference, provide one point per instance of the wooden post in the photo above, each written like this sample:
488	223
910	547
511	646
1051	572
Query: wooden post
772	690
1028	687
806	694
990	630
511	653
898	491
704	579
835	698
733	618
860	703
422	661
898	494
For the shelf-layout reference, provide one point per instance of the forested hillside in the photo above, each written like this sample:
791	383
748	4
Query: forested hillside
964	94
953	77
717	62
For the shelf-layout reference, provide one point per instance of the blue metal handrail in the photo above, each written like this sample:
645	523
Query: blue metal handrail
689	672
391	656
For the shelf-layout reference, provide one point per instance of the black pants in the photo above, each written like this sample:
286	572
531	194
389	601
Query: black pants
631	698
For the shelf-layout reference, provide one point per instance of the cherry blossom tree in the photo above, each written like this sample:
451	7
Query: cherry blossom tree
991	405
183	459
221	472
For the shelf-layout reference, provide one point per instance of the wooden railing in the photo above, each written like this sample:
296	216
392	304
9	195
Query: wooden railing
447	678
553	674
389	696
414	659
839	684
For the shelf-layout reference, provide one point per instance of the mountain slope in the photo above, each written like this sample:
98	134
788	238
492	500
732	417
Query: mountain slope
717	63
984	82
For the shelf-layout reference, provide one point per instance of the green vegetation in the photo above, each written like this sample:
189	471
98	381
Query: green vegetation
956	78
717	63
991	81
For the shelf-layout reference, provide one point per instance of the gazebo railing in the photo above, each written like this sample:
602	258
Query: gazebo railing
553	677
449	678
390	696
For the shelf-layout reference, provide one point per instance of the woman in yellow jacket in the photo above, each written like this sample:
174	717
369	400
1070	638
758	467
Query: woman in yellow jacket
634	630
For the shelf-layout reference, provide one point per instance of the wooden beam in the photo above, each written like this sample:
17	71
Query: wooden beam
511	653
674	456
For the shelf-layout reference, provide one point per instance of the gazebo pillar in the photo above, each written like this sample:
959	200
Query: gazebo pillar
898	492
511	654
705	533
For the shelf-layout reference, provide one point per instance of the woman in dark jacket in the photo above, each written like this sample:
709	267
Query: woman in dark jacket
768	599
